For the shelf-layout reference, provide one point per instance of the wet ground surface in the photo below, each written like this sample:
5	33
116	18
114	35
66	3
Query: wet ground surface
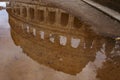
16	65
113	4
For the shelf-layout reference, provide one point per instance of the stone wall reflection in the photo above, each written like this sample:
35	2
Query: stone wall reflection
111	68
63	51
55	38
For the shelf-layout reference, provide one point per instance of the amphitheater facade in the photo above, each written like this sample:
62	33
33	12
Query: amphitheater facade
54	37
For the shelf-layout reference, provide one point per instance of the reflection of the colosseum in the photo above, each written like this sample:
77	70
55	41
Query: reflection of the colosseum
60	50
55	38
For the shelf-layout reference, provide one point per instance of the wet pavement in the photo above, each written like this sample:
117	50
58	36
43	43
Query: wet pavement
15	64
113	4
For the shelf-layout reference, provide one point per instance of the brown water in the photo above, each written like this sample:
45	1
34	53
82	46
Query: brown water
20	63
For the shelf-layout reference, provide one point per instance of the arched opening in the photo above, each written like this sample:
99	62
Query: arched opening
13	10
18	11
51	17
64	19
31	11
77	23
40	15
24	12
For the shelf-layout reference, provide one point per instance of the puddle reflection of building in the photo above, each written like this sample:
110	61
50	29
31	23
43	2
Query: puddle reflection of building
55	38
68	53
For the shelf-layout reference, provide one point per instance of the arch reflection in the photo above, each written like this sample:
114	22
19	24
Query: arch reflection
61	51
57	39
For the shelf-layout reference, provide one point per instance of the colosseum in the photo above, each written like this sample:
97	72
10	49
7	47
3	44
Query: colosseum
58	35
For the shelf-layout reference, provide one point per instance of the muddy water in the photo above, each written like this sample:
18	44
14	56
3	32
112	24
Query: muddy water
19	62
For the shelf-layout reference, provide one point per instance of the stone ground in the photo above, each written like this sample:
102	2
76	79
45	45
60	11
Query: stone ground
113	4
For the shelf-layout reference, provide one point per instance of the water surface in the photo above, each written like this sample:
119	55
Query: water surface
16	64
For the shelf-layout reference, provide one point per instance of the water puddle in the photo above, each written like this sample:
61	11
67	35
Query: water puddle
29	52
